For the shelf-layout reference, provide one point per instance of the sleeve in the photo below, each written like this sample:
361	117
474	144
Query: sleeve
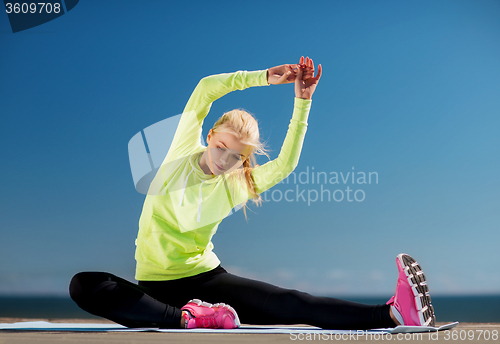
274	171
187	136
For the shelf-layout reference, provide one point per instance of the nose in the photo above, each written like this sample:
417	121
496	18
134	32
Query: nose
224	158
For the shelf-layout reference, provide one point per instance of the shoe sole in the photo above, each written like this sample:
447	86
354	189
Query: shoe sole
418	283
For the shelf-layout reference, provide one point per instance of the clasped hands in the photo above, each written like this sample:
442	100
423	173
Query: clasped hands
302	74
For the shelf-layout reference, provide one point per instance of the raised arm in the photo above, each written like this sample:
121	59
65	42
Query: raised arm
272	172
187	136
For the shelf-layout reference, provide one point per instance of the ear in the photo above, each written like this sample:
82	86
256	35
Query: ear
209	136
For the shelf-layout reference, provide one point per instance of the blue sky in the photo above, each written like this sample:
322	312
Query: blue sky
410	90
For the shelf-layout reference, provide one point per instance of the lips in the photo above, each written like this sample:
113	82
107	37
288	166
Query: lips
220	168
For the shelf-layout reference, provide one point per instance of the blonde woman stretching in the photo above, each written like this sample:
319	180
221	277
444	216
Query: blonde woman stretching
195	188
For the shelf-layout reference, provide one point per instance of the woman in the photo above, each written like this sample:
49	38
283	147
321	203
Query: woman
195	188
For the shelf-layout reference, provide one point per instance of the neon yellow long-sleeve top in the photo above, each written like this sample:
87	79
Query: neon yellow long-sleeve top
184	206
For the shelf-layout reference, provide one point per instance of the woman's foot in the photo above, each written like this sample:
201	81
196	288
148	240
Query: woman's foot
393	317
411	305
199	314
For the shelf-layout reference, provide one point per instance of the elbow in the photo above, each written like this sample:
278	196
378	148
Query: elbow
290	164
204	82
289	169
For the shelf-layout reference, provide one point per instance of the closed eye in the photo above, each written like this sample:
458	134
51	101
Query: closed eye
235	156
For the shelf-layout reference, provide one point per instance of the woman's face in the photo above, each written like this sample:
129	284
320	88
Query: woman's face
225	152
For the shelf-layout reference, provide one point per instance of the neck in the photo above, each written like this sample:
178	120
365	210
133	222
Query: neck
204	165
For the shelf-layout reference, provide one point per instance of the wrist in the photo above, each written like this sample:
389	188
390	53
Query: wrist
303	96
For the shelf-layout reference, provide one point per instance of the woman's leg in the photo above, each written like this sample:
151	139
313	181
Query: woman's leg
106	295
262	303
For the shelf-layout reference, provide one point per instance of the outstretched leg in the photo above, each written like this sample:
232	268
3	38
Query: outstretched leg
265	304
262	303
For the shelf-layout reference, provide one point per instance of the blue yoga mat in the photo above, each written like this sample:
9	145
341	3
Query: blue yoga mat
87	327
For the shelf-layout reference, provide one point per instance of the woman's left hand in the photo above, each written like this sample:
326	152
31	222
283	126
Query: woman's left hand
306	82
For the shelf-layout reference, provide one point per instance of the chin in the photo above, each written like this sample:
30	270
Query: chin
216	171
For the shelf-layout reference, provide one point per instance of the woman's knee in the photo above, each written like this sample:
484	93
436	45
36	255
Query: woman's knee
83	284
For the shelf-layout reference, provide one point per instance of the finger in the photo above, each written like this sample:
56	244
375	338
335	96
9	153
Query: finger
284	77
318	76
307	72
301	60
299	73
291	73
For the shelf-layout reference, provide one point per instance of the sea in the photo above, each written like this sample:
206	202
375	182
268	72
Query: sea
482	308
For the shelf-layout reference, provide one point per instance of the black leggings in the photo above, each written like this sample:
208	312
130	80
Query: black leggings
158	303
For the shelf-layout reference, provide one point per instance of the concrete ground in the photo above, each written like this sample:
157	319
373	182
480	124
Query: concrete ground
464	332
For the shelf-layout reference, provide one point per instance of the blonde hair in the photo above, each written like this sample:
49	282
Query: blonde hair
244	126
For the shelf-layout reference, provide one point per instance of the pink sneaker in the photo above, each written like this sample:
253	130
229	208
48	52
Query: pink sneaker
412	299
205	315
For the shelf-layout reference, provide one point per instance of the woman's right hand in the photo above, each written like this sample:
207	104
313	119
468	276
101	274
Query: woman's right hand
284	74
305	81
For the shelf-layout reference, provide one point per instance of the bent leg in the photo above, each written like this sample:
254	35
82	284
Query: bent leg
262	303
114	298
